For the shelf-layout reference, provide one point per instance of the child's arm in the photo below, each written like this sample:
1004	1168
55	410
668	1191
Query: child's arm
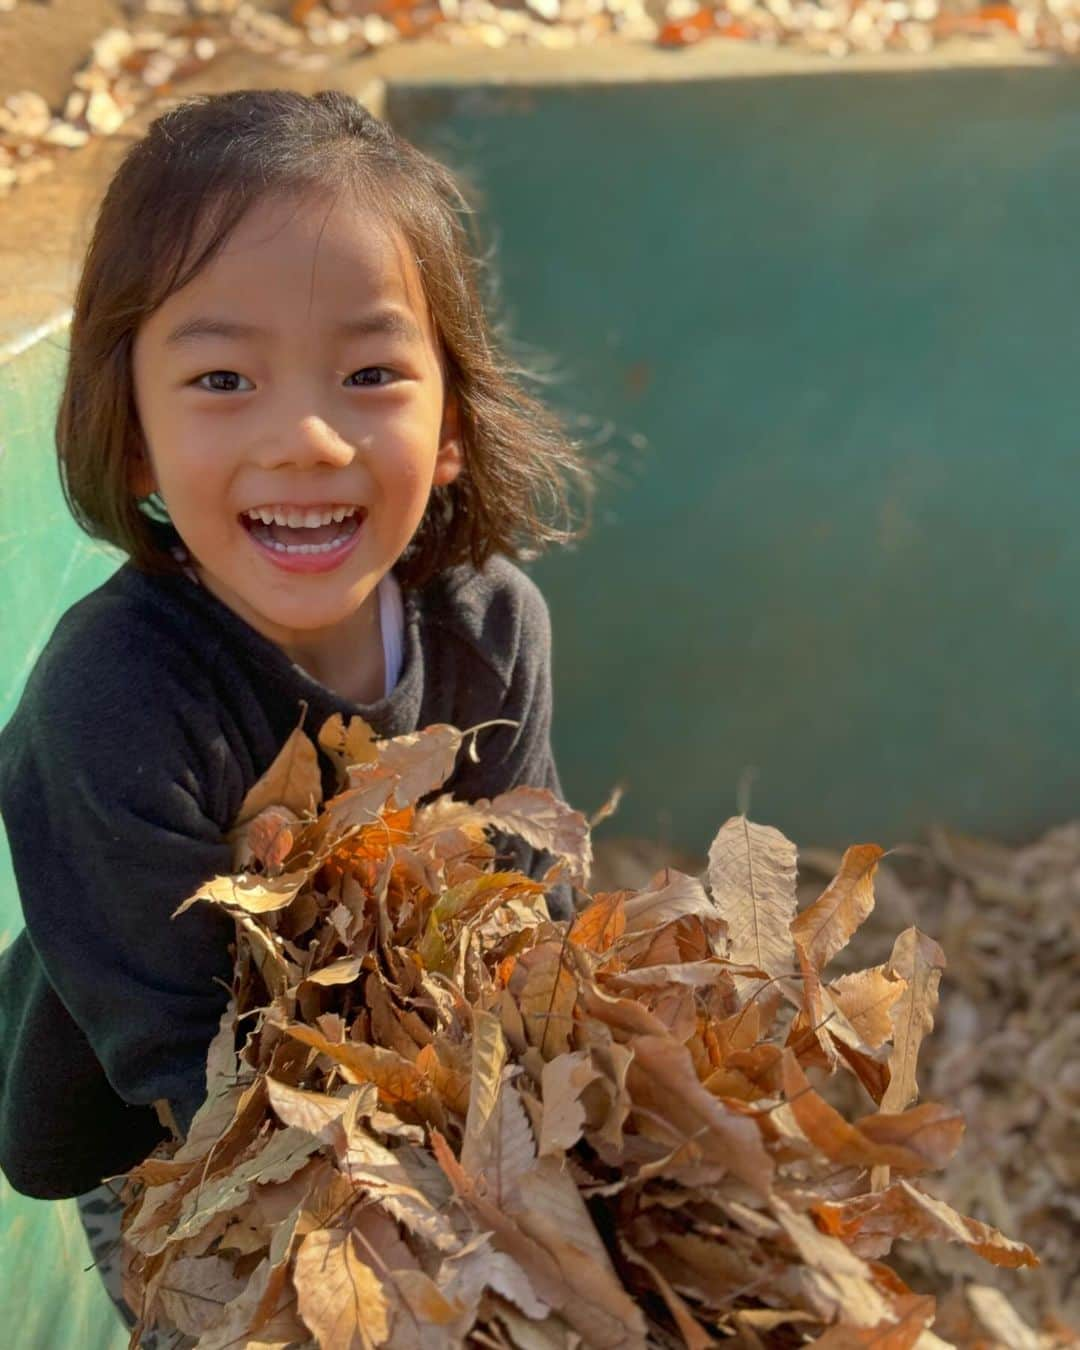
512	683
114	811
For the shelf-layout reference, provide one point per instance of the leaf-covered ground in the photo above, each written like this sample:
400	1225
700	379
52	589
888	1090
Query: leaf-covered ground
1005	1050
436	1117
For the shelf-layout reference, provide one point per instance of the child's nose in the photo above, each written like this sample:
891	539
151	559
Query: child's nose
307	442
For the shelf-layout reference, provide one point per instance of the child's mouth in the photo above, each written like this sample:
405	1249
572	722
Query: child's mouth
304	538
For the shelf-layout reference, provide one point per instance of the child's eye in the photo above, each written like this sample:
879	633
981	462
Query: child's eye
370	375
223	382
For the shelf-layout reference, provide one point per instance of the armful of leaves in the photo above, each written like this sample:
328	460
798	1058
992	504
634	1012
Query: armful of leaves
453	1119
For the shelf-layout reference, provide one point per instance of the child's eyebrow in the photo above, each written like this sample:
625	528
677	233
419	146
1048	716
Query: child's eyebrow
379	323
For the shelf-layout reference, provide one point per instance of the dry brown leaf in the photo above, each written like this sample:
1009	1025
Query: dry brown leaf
693	1334
613	1087
601	923
931	1131
344	971
842	1281
352	744
752	878
396	1079
236	1316
553	1213
913	1315
278	1158
195	1290
546	823
564	1081
918	961
340	1297
481	1268
488	1060
266	839
670	895
540	1268
253	895
852	1146
419	762
827	925
327	1118
546	992
903	1211
661	1080
866	998
293	780
999	1319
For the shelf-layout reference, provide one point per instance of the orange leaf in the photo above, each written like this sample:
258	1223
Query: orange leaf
546	993
396	1079
839	1140
915	1312
451	1085
602	923
826	926
903	1211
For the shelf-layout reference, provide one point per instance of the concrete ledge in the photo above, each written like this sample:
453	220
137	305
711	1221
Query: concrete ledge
46	224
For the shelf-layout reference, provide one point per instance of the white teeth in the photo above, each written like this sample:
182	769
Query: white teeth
301	548
300	517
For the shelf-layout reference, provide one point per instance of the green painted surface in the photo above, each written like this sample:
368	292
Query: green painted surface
841	311
46	1290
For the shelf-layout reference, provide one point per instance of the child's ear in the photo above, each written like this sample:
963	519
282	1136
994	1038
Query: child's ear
450	459
141	478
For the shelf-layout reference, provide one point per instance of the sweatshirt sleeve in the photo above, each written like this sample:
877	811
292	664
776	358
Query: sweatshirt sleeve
103	792
518	631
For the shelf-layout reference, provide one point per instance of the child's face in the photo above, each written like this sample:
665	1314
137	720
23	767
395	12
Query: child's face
298	372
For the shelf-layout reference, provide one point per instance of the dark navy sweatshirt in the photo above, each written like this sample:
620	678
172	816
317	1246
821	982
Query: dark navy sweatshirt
148	716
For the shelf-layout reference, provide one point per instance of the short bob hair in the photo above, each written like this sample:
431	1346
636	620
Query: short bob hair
173	202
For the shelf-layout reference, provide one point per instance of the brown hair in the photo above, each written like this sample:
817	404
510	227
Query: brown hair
170	207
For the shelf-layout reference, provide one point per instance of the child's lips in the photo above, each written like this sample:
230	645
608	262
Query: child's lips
303	549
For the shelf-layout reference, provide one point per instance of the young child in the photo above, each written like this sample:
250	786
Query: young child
285	404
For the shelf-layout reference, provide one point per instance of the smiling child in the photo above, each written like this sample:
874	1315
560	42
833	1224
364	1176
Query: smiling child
285	404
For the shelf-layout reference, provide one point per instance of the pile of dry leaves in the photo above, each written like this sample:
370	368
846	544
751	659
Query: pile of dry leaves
452	1120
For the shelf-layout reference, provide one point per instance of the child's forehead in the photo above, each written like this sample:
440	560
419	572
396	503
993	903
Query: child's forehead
328	251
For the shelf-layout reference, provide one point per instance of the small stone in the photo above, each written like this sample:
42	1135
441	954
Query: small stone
64	134
159	70
376	31
25	114
92	80
103	113
112	48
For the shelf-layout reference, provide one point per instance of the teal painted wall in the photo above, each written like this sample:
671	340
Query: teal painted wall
841	311
49	1297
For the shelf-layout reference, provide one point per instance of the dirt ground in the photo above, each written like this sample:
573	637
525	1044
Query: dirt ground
42	45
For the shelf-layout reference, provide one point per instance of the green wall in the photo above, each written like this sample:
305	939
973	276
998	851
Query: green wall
841	310
46	1290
